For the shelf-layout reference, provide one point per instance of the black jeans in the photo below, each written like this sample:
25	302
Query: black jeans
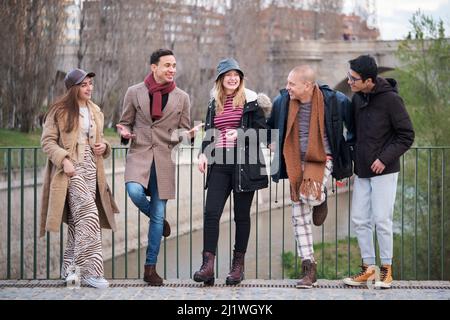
220	184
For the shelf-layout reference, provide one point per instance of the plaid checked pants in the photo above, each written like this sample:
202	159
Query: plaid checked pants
302	218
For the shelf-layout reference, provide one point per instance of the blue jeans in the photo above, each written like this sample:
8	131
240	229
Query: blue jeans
154	209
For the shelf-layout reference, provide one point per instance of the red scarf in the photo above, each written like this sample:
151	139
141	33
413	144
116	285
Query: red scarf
157	90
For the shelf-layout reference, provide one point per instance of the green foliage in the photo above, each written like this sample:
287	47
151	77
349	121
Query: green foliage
424	81
415	257
17	140
327	255
424	84
421	215
14	138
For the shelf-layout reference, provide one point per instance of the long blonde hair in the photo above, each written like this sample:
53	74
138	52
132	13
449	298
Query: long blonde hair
220	96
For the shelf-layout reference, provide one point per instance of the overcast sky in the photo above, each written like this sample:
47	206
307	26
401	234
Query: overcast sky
394	15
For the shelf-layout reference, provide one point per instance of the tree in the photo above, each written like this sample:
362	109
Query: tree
30	33
425	79
424	85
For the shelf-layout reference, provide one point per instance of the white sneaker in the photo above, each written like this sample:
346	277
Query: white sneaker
72	281
96	282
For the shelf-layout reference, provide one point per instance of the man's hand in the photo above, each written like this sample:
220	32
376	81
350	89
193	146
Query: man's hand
202	163
124	132
191	133
272	146
378	166
69	168
99	149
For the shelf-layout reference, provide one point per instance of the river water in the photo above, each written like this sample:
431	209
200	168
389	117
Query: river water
271	234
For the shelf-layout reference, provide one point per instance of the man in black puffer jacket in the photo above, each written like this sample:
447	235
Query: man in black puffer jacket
383	133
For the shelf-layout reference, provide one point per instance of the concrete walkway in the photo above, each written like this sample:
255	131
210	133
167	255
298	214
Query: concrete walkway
247	290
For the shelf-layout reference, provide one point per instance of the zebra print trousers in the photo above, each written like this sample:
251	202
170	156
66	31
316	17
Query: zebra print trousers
84	245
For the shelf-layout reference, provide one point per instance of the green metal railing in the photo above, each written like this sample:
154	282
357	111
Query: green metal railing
421	224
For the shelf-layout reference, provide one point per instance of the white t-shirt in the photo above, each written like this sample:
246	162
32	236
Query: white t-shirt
85	122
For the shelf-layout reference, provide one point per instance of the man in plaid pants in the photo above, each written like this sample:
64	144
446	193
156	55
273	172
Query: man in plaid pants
310	148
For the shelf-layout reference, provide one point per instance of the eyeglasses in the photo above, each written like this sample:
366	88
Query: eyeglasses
352	78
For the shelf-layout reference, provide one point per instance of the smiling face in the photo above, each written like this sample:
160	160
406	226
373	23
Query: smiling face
298	88
85	91
357	84
231	81
164	71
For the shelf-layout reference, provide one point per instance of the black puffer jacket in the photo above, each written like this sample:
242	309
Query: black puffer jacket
383	128
337	113
250	177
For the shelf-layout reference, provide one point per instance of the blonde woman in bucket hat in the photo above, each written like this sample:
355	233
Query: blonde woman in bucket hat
233	112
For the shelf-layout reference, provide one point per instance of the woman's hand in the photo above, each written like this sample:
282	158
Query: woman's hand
69	168
202	163
99	149
231	134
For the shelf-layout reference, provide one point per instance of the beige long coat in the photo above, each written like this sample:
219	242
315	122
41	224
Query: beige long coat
57	144
154	140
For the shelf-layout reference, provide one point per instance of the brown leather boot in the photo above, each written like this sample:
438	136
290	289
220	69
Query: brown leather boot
150	275
309	279
206	272
236	274
166	229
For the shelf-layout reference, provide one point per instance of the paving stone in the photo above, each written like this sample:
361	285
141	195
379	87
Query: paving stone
249	290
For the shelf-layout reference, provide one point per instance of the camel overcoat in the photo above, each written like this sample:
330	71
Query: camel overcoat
57	145
155	140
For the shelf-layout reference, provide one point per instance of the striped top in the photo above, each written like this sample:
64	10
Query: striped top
229	119
304	118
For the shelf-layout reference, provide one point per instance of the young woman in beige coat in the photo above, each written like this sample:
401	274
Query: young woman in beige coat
75	189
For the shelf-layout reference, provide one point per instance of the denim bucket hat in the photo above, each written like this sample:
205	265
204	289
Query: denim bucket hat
226	65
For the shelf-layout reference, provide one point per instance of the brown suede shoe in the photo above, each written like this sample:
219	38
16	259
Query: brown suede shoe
386	277
360	279
309	279
166	229
150	275
320	212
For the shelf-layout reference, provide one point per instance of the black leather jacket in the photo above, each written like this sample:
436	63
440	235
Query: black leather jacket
251	175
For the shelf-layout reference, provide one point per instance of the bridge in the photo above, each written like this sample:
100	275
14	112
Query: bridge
330	58
30	266
256	291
